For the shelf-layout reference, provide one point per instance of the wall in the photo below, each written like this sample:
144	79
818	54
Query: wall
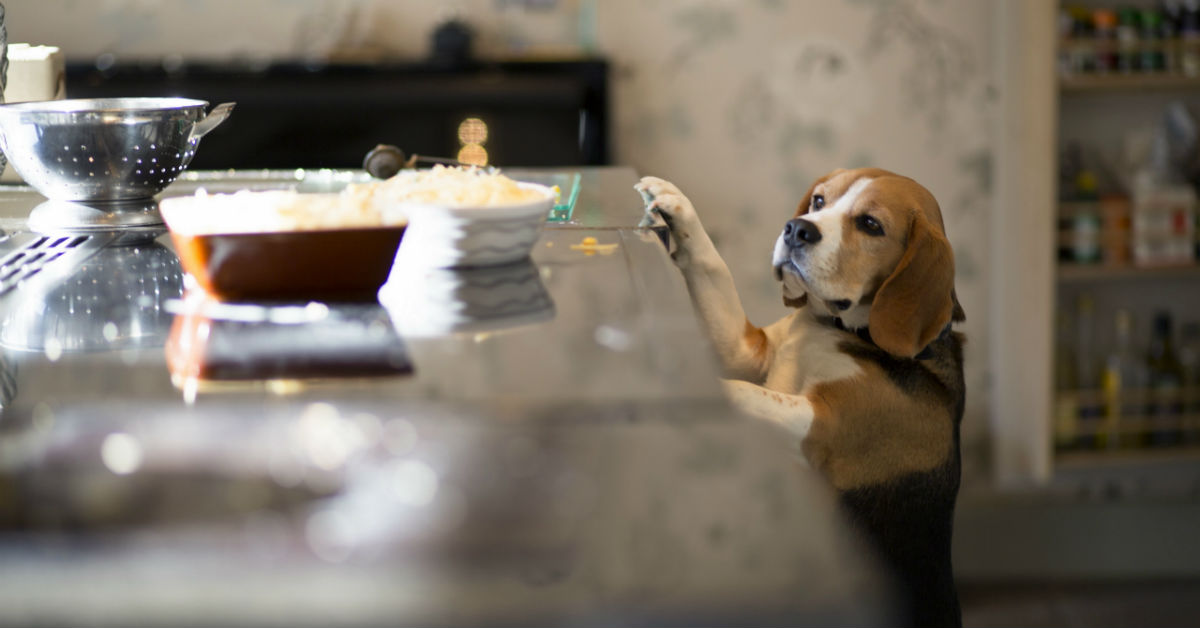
741	102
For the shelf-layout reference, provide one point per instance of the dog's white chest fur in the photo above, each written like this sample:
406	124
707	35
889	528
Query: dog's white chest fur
806	354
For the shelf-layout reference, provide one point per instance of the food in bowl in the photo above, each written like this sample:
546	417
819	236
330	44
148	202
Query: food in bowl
461	216
283	245
448	186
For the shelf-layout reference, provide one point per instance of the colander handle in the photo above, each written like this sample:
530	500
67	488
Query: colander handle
214	118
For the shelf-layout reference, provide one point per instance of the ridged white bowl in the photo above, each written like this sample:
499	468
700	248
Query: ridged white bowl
463	237
437	301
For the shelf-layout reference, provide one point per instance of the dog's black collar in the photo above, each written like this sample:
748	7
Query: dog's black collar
836	323
865	334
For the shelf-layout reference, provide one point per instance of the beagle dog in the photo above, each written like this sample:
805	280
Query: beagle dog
866	373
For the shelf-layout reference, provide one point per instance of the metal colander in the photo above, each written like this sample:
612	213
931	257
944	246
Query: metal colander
106	149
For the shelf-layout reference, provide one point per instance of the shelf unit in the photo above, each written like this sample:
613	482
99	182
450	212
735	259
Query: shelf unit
1066	514
1026	281
1099	111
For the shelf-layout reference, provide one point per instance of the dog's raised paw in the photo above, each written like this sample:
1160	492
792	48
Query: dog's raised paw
663	198
672	207
653	187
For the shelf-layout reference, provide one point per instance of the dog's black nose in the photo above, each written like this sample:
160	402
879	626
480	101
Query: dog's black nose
799	231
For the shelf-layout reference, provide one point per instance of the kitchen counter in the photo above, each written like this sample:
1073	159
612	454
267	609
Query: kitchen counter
543	443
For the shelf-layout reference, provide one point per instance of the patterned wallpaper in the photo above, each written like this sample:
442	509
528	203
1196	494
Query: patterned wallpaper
741	102
744	103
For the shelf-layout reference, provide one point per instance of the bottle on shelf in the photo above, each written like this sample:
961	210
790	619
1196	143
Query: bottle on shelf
1170	12
1196	233
1085	221
1129	23
1131	39
1066	387
1189	38
1124	383
1189	359
1070	162
1152	56
1166	379
1074	27
1115	229
1090	398
1163	209
1104	28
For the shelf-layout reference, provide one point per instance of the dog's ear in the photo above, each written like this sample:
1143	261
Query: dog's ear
959	315
917	301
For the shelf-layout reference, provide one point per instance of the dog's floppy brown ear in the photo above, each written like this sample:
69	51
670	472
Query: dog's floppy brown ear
917	301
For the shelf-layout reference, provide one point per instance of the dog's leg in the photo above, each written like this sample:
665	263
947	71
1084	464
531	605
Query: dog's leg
793	413
741	347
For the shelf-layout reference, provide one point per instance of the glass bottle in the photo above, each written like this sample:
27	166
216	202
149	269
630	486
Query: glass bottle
1166	385
1104	23
1124	383
1189	38
1083	49
1152	57
1172	15
1091	402
1189	359
1066	387
1085	224
1127	30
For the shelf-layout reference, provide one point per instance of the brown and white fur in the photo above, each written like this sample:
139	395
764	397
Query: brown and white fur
865	373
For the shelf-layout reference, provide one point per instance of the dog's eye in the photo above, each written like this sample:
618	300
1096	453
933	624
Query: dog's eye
869	225
818	201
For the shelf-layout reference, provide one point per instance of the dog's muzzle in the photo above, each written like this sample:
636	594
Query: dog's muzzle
799	232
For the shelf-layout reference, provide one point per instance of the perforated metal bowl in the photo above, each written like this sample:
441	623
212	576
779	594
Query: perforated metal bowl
105	149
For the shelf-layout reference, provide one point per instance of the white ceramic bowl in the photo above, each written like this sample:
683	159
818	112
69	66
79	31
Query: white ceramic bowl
463	237
436	301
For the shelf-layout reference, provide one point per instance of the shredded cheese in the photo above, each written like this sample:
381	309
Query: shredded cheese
374	204
448	186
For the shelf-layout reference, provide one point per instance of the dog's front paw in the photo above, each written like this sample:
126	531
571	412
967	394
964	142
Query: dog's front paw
664	199
651	187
